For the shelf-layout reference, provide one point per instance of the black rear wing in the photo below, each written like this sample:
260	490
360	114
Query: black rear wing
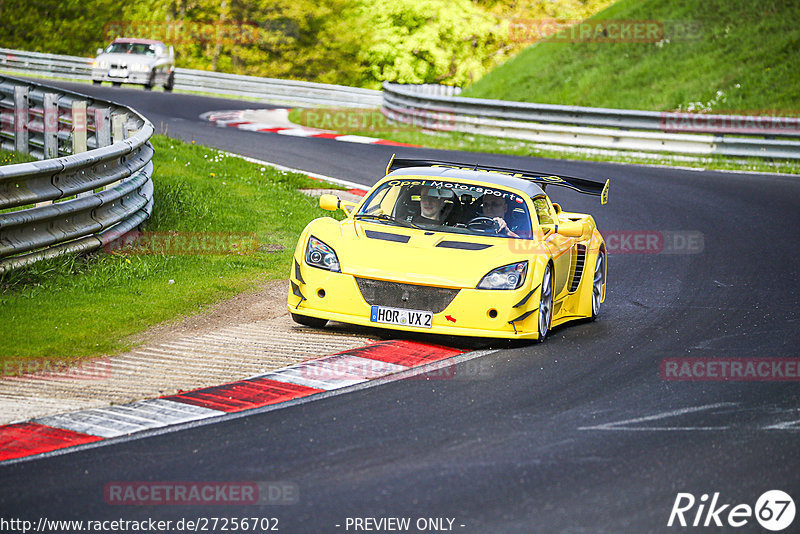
543	179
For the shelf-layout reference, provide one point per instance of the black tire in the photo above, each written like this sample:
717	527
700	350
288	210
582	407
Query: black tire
545	315
96	82
151	82
305	320
598	281
170	83
116	84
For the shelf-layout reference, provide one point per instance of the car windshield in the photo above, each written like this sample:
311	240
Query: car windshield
131	48
452	207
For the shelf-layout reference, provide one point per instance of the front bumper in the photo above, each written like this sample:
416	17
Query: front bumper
102	75
472	312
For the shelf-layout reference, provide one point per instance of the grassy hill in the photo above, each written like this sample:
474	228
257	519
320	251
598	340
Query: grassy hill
713	55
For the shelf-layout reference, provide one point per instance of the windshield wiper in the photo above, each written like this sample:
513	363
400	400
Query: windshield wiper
384	217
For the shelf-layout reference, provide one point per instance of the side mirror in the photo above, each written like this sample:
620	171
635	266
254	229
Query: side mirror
99	51
557	207
329	202
570	229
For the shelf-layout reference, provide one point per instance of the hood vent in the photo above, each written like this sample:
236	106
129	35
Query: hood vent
386	236
463	245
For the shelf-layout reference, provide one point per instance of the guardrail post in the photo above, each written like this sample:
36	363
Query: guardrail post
118	132
21	119
78	126
50	125
102	127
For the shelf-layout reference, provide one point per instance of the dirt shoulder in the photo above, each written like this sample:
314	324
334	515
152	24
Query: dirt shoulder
247	335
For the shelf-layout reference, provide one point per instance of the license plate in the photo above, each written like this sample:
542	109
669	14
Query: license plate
117	73
402	317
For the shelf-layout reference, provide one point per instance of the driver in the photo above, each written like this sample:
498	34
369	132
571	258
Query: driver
496	208
432	205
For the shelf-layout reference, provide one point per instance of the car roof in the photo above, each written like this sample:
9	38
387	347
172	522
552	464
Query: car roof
136	41
494	178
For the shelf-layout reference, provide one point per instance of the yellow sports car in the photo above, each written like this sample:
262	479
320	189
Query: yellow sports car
452	248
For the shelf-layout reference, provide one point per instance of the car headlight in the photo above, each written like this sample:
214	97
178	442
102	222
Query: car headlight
100	64
140	67
320	255
506	277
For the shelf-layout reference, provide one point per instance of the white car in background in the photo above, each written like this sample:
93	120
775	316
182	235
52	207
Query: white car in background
140	61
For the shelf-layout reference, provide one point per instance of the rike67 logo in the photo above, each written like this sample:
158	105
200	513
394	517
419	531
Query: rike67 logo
774	511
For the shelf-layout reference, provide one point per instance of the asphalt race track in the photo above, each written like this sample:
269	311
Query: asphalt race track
579	434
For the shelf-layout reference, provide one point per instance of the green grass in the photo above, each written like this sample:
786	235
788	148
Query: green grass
367	123
72	306
742	59
12	158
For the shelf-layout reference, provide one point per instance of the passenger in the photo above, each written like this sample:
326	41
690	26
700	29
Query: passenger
433	206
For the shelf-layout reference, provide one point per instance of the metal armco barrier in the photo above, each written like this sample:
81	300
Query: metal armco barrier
439	107
281	91
612	129
100	188
267	89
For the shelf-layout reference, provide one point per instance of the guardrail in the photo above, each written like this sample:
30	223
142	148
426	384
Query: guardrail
610	129
266	89
441	108
100	188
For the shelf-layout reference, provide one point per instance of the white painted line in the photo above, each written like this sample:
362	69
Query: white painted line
660	428
309	376
255	126
350	365
128	418
786	425
221	116
300	132
90	422
625	424
357	139
168	411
